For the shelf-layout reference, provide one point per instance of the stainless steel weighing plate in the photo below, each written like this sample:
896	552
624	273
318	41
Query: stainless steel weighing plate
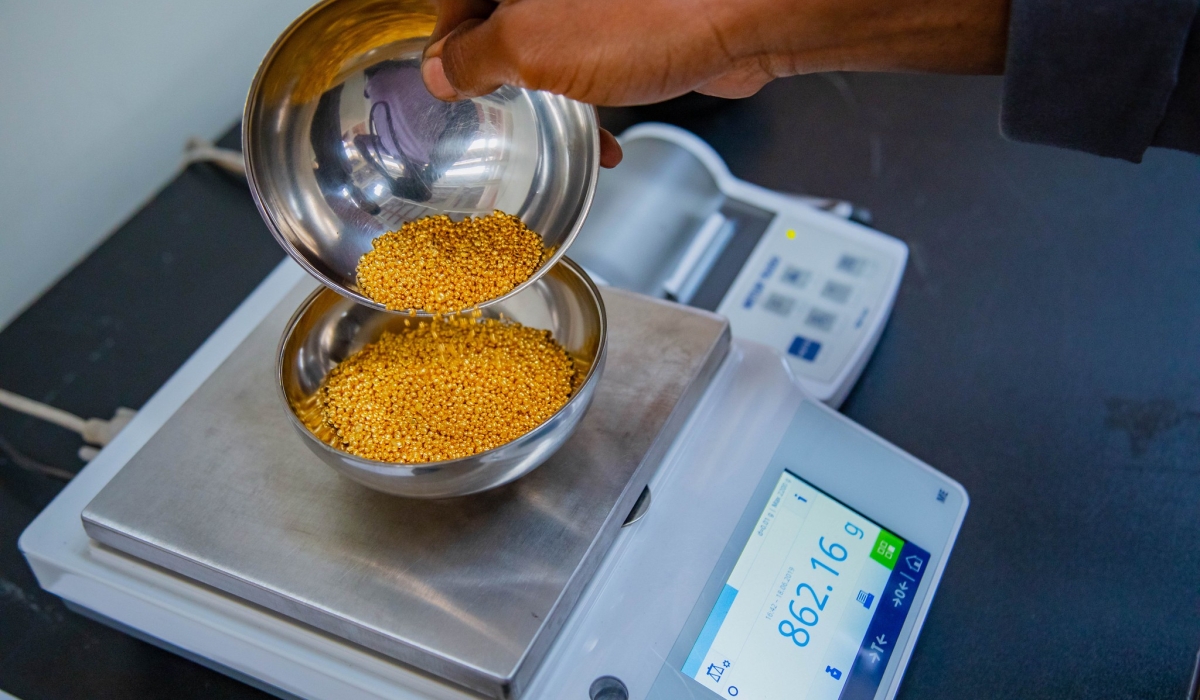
473	589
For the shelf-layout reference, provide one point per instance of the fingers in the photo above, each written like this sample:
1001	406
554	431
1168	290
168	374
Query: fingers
600	53
452	14
471	60
610	151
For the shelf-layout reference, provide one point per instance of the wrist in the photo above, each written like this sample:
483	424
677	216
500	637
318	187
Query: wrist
804	36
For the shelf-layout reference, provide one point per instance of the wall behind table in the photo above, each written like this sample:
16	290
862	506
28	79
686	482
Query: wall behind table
96	101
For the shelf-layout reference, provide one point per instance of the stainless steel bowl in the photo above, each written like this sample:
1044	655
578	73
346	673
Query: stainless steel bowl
329	328
343	142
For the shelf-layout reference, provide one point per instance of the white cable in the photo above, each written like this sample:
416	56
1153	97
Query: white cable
95	431
197	150
70	421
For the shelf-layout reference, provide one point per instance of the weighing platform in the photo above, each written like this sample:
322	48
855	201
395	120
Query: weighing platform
471	588
219	536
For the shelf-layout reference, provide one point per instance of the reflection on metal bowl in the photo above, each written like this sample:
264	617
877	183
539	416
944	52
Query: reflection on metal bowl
343	142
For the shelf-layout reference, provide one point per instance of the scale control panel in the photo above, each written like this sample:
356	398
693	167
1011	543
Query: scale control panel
787	270
818	289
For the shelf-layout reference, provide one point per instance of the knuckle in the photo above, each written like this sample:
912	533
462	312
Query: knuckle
519	57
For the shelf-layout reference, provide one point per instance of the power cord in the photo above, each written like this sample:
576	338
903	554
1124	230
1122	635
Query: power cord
96	432
198	150
30	464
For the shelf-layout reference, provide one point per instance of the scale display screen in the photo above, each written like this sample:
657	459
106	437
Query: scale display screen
813	607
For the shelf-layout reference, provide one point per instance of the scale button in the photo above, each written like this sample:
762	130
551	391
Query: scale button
820	319
804	348
779	304
796	277
838	292
852	265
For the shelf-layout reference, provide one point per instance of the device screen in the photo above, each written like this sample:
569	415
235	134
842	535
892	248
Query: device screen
814	606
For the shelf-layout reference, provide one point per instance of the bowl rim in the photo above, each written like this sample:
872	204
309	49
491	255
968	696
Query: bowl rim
593	376
250	120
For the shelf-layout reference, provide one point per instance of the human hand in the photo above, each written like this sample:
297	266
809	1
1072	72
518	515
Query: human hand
623	52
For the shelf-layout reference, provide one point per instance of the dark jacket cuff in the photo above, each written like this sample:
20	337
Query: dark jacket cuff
1180	127
1099	75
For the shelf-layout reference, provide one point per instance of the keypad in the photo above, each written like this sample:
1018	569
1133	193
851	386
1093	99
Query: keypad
811	292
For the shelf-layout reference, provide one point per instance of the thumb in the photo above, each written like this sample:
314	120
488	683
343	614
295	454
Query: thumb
470	61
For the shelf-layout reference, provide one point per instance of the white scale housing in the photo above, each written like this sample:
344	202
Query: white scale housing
641	608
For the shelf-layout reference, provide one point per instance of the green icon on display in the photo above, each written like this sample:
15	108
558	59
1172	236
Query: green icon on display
887	548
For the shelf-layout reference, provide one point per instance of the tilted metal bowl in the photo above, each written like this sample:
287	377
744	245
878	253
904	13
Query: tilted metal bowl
329	328
343	143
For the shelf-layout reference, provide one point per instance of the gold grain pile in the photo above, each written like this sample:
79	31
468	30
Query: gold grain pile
444	389
439	265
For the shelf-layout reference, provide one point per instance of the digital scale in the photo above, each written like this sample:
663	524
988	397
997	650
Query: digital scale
711	530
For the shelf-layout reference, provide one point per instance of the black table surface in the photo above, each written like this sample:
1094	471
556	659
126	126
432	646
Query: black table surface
1044	351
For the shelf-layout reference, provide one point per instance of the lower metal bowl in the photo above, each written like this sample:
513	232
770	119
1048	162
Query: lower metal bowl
328	328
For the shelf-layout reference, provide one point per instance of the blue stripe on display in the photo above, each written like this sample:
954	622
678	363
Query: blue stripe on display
709	633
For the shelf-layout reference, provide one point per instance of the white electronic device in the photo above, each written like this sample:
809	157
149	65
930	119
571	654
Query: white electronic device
672	221
754	441
785	552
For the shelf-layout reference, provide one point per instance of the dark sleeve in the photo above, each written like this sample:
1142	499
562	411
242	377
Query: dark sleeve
1111	77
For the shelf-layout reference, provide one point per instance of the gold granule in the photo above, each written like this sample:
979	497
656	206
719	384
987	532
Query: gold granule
444	389
439	265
